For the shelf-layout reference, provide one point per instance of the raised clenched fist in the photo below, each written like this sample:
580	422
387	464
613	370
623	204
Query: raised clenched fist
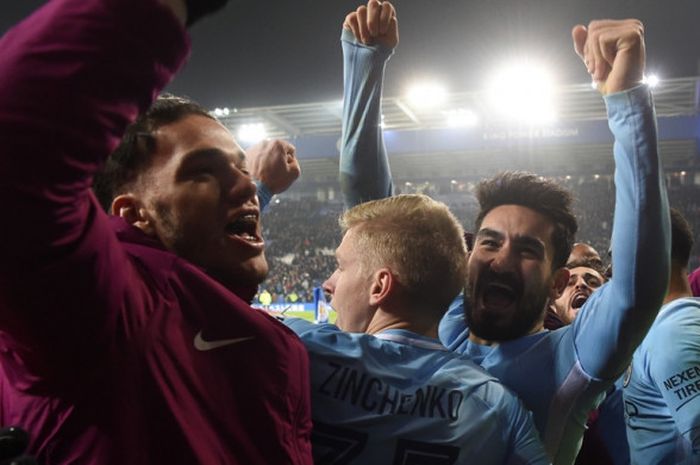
613	52
375	23
274	163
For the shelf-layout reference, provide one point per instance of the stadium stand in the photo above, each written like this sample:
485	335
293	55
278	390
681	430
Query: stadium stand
302	231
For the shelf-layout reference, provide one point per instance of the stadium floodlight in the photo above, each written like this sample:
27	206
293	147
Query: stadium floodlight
219	112
683	173
252	133
426	95
524	91
461	117
652	80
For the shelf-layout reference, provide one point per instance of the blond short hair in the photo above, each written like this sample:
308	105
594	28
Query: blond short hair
419	239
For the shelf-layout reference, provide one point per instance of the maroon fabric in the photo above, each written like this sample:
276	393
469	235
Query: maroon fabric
97	321
552	320
694	280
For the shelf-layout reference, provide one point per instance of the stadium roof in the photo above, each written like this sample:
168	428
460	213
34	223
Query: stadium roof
674	97
422	146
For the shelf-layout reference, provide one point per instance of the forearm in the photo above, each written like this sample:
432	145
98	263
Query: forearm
73	75
640	240
364	164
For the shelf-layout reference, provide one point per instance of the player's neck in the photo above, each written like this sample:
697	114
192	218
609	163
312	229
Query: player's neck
678	286
383	321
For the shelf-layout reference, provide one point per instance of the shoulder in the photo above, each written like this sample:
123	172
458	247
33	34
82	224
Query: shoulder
673	338
675	319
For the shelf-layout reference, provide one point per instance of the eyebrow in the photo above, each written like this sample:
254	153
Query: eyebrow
492	233
212	153
591	275
518	240
522	240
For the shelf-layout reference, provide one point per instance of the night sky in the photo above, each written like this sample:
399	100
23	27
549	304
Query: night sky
268	52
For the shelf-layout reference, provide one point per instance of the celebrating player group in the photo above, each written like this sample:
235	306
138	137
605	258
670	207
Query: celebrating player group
133	247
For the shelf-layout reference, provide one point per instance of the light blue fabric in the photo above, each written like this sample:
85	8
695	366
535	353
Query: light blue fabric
380	400
561	375
662	395
364	165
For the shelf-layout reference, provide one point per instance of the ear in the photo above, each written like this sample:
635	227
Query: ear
559	280
382	286
130	207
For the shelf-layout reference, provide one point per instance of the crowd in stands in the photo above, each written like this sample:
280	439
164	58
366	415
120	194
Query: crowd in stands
301	237
302	234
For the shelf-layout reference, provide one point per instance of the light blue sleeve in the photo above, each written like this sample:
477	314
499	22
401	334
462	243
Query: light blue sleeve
674	366
615	319
525	440
364	164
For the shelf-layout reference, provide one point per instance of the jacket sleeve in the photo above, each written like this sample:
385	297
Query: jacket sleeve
73	75
364	164
615	319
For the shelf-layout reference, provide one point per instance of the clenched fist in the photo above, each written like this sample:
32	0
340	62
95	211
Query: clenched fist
375	23
613	52
274	162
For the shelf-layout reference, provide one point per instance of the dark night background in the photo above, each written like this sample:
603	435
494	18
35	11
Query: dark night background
269	52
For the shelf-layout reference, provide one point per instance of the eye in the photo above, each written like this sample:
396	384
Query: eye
488	243
199	170
530	252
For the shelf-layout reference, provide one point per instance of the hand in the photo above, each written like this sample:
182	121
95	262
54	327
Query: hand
613	52
274	163
375	23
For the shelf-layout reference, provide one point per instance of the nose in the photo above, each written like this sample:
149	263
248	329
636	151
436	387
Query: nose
503	260
581	284
329	284
242	187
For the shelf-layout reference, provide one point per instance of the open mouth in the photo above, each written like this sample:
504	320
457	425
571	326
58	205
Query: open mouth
498	295
245	227
578	300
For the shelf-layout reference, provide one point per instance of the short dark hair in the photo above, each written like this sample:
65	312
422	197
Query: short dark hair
539	194
592	263
133	154
681	238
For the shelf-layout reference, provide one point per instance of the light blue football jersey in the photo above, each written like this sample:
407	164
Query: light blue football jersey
662	390
400	398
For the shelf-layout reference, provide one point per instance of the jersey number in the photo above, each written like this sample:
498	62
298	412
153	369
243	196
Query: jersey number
333	445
